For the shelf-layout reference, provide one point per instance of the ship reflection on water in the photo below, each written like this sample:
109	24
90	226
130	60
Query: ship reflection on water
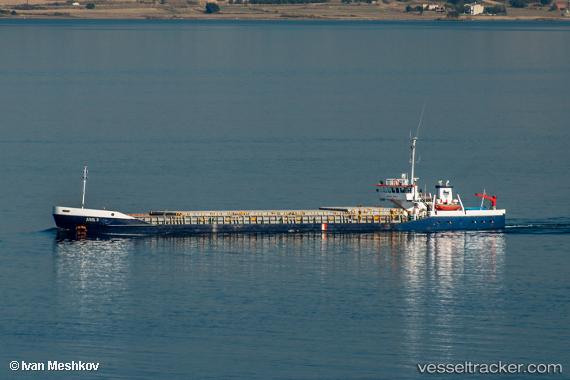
444	243
446	278
417	259
387	293
90	276
413	255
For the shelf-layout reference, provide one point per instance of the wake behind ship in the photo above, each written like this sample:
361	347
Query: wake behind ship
413	210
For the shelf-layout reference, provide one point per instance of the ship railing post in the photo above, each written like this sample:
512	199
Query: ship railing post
461	203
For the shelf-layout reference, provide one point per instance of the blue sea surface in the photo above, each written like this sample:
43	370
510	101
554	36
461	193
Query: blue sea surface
285	114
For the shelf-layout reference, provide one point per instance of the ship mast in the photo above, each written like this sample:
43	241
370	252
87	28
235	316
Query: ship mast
84	185
413	161
413	141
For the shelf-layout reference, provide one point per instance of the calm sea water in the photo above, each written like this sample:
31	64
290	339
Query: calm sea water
217	115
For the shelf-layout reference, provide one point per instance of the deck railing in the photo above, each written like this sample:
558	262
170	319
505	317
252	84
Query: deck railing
379	215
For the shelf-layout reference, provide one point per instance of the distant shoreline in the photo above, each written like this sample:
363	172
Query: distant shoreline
64	18
285	18
389	11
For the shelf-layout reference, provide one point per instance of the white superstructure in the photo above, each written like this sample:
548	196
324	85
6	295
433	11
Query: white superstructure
405	194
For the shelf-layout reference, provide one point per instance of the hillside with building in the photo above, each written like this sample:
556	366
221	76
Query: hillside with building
286	9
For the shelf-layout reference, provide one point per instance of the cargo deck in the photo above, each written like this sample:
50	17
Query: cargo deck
323	215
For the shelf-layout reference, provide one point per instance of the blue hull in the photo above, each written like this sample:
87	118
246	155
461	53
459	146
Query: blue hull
133	227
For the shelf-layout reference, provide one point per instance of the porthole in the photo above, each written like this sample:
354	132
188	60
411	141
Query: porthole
112	214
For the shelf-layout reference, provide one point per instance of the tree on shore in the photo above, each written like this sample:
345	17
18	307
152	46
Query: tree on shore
418	8
496	9
518	3
459	6
212	8
291	1
452	13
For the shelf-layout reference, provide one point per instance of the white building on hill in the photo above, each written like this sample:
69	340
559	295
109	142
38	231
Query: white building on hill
474	9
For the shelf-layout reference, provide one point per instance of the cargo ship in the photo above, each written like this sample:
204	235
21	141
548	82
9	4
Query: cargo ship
412	209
